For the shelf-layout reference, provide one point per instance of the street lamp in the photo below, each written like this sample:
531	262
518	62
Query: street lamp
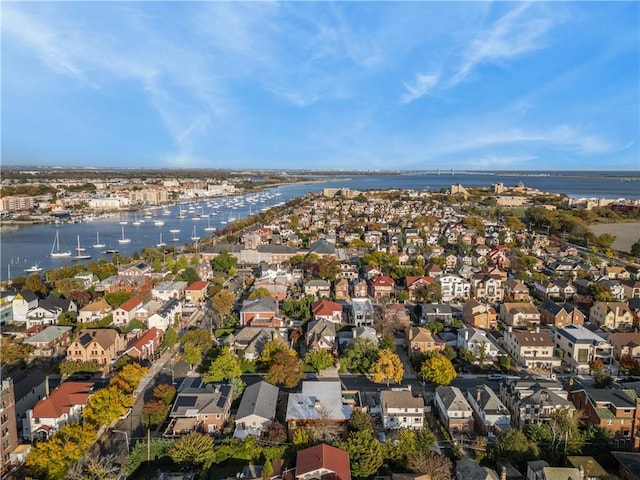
126	436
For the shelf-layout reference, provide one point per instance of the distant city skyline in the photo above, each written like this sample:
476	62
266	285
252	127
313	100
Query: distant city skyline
327	86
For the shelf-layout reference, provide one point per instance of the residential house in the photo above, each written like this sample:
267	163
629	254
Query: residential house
453	287
146	346
612	409
95	344
453	409
477	341
196	292
94	312
135	284
317	402
139	269
168	290
146	310
341	289
276	289
631	288
166	315
540	470
23	302
359	288
612	315
433	270
533	400
471	470
616	273
257	409
489	412
50	342
487	288
516	291
382	287
479	315
580	346
48	310
412	284
259	310
560	315
249	341
62	407
421	340
330	311
628	465
436	312
321	334
401	409
6	308
200	408
531	349
361	312
519	314
322	462
318	288
591	469
625	344
127	311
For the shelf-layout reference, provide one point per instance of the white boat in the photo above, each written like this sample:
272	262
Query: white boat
98	244
194	235
175	237
166	212
80	255
174	230
55	249
158	223
124	240
136	222
123	222
161	244
35	268
209	228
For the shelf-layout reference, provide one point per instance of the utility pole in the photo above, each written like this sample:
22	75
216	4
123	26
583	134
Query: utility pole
148	445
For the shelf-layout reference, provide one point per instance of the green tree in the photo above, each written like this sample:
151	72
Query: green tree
192	355
318	359
224	367
600	292
515	446
13	351
238	386
481	353
165	393
158	450
198	337
224	262
154	412
286	370
116	299
271	349
52	458
260	292
35	284
106	405
504	362
171	337
195	448
360	356
438	369
605	240
635	248
365	453
387	367
360	421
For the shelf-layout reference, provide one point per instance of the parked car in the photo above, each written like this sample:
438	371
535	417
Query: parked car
496	376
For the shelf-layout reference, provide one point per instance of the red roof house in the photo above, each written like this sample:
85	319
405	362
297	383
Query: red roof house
145	346
323	462
196	291
330	311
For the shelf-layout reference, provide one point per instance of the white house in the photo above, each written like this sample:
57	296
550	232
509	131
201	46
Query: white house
400	409
474	339
166	290
454	287
580	345
166	315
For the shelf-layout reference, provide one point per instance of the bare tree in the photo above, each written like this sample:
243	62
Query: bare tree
437	466
100	468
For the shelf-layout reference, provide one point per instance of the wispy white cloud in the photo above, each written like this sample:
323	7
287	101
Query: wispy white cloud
517	32
421	85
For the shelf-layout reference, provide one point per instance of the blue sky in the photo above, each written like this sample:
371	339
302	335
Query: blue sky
382	85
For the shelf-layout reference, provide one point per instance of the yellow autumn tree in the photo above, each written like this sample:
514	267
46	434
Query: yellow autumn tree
106	405
388	367
438	369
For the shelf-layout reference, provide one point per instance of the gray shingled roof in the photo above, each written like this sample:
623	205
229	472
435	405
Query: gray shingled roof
259	399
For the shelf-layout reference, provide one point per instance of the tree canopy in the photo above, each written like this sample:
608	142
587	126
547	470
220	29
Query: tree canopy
438	369
388	367
224	367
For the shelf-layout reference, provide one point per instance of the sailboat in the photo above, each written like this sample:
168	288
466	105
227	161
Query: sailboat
55	249
124	240
136	222
161	244
194	235
209	228
175	235
98	244
80	255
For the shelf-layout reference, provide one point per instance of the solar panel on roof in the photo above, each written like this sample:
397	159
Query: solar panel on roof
186	401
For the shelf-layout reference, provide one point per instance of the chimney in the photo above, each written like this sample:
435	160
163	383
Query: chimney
316	404
478	394
46	385
581	468
503	473
466	334
537	328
